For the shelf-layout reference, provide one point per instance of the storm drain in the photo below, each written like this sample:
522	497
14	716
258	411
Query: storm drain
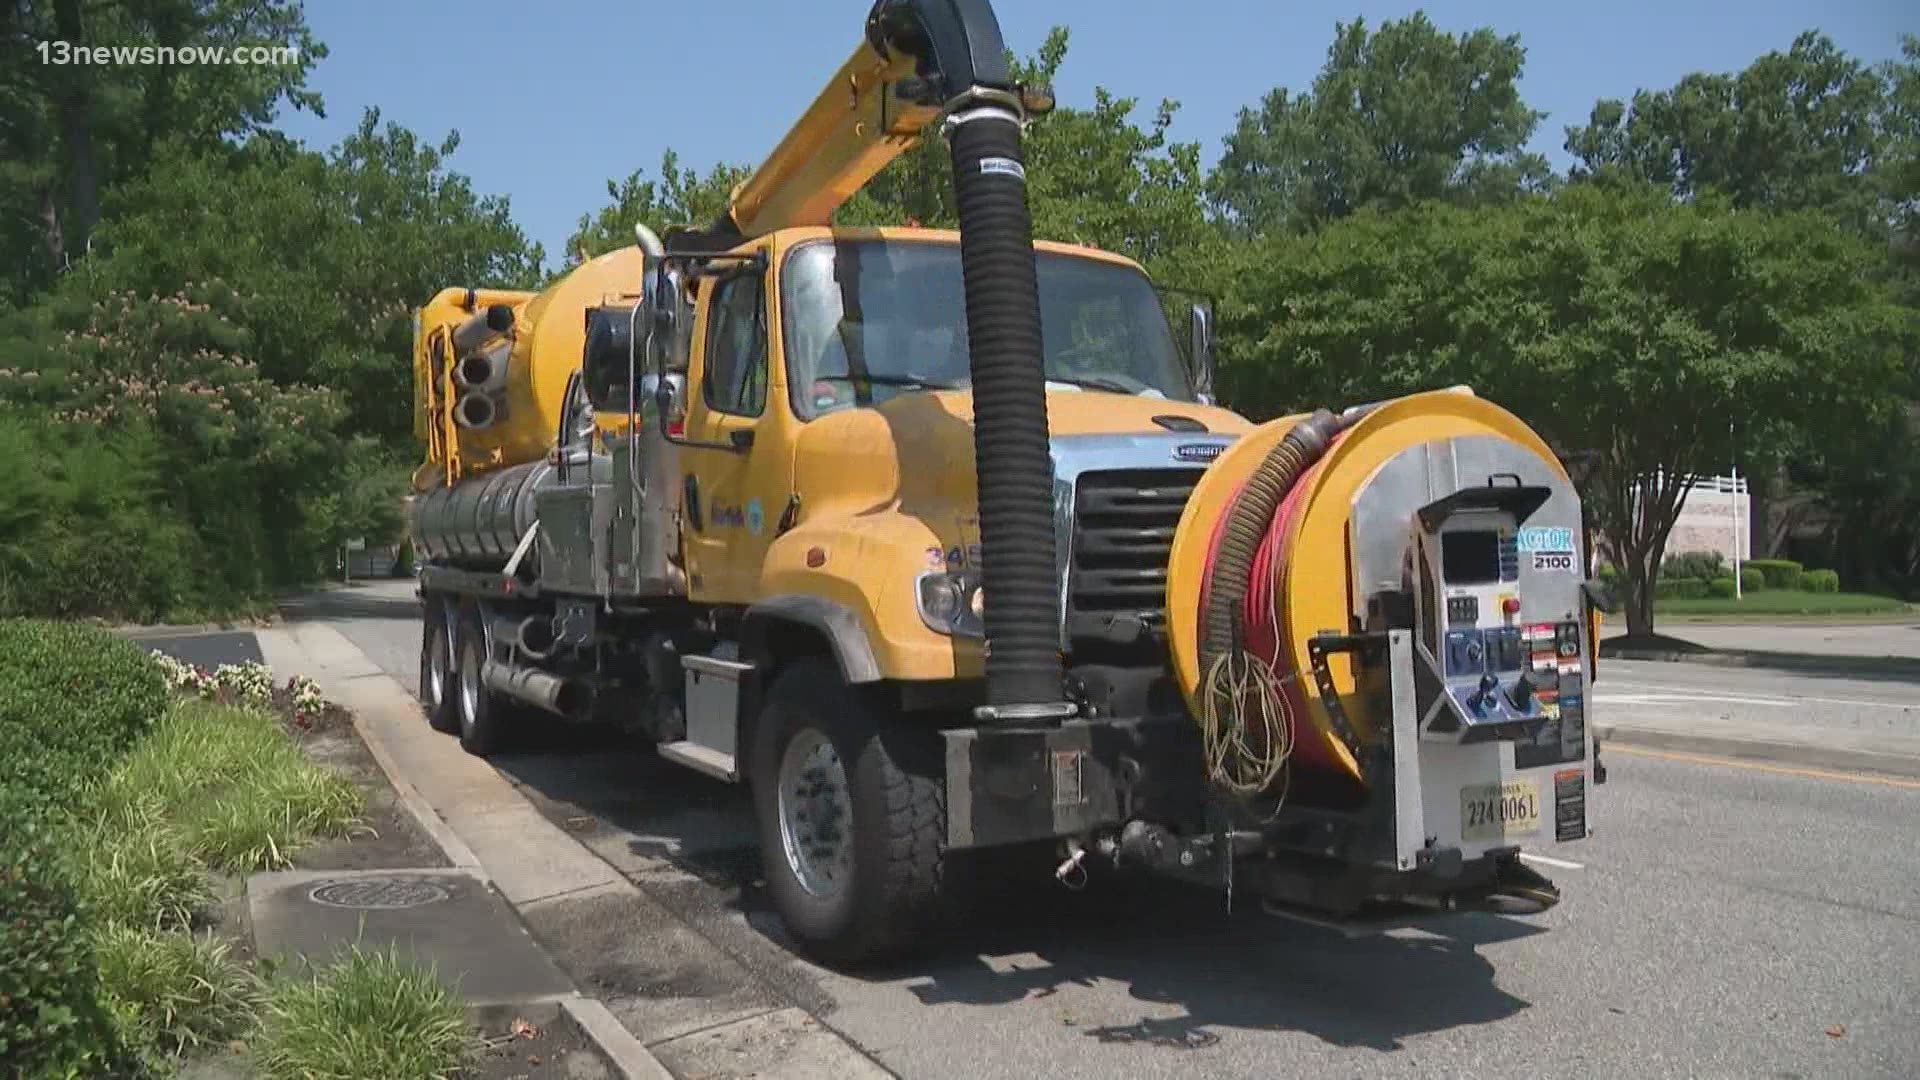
378	893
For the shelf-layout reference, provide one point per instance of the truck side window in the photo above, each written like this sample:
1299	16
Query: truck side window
736	371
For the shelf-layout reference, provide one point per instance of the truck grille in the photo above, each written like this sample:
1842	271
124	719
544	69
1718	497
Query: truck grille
1122	535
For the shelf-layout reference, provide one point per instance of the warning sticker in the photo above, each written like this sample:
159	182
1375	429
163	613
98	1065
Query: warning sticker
1570	805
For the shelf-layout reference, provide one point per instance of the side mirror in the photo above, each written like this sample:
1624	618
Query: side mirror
1200	328
607	356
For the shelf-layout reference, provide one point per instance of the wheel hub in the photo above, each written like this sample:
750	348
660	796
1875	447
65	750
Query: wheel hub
816	814
469	687
437	657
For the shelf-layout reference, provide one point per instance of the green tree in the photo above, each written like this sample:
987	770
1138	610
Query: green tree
1395	116
1803	129
70	131
679	197
1629	330
329	253
231	465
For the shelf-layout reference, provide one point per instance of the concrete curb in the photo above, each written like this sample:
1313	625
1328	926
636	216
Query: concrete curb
1902	667
1818	757
332	666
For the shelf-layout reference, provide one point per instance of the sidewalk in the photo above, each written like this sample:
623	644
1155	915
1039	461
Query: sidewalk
1888	649
584	913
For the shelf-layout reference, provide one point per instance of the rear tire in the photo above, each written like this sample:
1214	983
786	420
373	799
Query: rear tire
857	874
439	684
483	717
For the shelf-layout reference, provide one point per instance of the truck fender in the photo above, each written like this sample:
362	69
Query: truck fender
834	622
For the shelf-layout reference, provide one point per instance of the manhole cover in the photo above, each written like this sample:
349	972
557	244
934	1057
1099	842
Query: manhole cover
378	893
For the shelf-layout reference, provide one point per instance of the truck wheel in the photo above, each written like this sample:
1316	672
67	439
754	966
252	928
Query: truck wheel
483	718
438	682
852	843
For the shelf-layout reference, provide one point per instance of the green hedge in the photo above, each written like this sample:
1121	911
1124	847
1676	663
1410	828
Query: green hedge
1752	580
1821	581
1721	588
1779	573
1694	565
1680	589
72	700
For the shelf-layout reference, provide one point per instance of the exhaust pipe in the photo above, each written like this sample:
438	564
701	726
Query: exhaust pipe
485	371
562	697
474	331
475	411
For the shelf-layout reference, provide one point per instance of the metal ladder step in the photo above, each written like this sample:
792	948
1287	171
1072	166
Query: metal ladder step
702	758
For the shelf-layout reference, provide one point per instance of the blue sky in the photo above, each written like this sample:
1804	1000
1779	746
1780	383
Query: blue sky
552	99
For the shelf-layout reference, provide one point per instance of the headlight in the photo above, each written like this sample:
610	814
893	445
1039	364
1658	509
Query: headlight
951	602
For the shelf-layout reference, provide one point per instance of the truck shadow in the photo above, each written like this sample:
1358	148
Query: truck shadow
1194	968
1197	969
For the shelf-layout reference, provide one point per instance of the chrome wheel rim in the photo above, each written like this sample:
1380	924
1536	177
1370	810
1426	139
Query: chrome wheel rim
469	687
437	657
816	814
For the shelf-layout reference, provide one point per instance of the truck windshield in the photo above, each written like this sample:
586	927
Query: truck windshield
868	319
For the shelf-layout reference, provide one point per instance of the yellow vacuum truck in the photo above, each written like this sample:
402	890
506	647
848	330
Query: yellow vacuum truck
936	541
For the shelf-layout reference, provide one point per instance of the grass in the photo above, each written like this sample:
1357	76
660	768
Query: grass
211	787
368	1014
171	993
241	793
1772	603
137	871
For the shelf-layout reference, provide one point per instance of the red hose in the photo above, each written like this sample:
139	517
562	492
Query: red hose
1261	635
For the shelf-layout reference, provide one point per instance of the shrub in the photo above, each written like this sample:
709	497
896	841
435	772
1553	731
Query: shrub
1694	565
51	1020
1780	573
368	1014
73	699
1821	581
1752	580
172	992
1608	573
1679	589
1721	588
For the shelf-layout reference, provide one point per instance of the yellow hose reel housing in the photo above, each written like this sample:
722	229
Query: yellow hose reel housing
1314	586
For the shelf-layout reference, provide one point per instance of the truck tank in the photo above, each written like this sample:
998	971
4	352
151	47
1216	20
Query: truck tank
491	371
491	367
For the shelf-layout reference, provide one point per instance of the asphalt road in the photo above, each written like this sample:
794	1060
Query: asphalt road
1724	921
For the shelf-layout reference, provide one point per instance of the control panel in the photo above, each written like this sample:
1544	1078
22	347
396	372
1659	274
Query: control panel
1492	673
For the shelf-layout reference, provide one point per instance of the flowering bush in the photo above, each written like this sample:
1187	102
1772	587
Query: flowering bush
247	684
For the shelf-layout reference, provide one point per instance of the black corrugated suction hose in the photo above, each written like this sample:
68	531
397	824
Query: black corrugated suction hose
1011	460
1247	523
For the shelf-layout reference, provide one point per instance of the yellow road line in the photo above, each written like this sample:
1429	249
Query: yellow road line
1733	763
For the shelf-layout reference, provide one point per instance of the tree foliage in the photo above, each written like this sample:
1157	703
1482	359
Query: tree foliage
1401	114
1650	338
329	253
679	197
1809	128
70	132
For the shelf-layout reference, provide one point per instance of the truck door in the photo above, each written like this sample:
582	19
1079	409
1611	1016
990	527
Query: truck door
736	485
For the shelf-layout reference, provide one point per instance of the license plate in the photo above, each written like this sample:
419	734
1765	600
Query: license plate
1498	811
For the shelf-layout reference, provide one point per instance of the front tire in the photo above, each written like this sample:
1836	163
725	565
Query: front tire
851	820
439	684
483	718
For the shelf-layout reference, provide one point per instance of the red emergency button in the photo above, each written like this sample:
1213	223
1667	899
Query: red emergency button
1511	605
